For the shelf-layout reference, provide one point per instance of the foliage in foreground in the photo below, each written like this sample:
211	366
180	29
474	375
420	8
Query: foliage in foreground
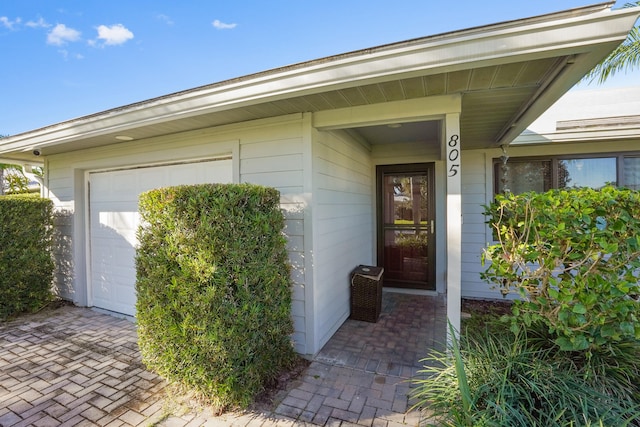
571	356
26	263
625	57
573	256
521	379
214	294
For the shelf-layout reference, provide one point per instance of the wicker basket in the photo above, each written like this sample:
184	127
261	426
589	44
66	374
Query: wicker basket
366	293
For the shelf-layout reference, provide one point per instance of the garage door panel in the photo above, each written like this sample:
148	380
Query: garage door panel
149	179
109	280
104	247
115	196
114	296
117	216
114	220
117	226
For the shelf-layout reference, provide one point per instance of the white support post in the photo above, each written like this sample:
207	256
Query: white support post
454	220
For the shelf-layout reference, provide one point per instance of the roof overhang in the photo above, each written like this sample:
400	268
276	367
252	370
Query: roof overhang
617	128
487	66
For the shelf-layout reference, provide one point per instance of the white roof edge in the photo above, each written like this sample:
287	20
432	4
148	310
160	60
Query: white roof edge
436	53
625	19
21	162
605	132
576	137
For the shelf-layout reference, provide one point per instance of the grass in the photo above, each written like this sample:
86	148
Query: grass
499	378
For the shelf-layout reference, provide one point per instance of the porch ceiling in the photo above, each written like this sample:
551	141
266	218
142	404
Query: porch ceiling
491	98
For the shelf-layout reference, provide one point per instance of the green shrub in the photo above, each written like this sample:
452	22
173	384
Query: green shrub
214	290
26	264
574	258
498	378
572	354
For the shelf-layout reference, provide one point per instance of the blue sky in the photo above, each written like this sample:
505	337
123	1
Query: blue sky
69	58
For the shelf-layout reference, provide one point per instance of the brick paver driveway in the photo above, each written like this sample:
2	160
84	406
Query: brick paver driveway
74	366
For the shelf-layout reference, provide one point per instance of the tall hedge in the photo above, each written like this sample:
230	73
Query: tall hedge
214	291
26	264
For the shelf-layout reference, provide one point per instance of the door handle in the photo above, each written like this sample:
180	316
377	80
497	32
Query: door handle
432	227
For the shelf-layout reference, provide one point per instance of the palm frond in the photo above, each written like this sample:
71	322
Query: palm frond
624	57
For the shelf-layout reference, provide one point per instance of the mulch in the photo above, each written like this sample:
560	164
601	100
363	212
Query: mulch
486	306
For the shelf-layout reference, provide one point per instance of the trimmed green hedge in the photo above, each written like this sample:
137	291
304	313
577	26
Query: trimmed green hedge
26	263
574	258
214	289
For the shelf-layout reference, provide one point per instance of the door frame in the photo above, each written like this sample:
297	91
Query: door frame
429	169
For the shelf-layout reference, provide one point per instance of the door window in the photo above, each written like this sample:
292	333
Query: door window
406	225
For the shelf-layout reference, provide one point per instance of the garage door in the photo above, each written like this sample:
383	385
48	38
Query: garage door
113	212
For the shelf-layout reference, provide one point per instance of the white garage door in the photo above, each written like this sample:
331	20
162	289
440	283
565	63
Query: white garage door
113	210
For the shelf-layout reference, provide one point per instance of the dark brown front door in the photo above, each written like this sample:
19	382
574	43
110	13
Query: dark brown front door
406	239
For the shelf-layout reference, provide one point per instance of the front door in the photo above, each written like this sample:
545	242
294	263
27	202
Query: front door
406	239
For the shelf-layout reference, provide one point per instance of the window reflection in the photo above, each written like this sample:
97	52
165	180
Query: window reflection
519	177
593	173
539	175
405	229
407	199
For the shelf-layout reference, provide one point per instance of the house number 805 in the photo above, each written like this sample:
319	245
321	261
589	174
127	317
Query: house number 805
453	154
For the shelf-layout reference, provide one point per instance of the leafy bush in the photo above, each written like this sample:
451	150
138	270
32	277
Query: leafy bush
214	291
572	355
508	379
574	257
26	264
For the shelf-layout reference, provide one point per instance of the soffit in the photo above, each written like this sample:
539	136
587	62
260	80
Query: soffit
490	97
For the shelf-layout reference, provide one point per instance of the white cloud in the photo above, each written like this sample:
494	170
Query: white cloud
66	54
61	34
223	26
114	35
40	23
164	18
7	23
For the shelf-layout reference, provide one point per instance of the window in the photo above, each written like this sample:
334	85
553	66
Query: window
593	173
540	174
631	172
521	176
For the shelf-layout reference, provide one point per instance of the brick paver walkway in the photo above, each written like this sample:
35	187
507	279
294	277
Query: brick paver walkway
74	367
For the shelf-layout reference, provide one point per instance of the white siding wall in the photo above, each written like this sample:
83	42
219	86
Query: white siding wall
475	232
273	156
343	224
265	152
61	179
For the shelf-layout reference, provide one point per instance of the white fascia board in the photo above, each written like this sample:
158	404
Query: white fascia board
613	31
617	134
18	162
510	42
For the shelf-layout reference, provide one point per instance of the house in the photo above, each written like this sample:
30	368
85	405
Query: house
382	156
